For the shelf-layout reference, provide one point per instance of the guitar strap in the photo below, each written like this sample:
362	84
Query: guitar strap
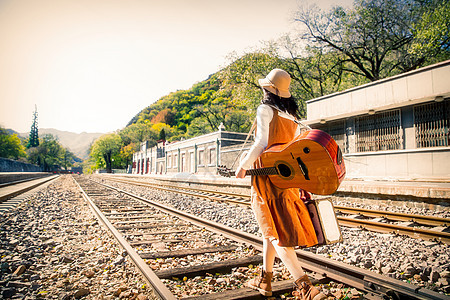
292	118
248	136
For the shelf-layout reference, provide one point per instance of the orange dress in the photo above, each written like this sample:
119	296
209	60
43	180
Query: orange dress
281	213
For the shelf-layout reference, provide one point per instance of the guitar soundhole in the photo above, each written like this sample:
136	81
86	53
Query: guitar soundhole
284	170
339	156
306	150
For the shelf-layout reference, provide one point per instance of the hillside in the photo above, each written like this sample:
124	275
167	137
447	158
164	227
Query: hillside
77	143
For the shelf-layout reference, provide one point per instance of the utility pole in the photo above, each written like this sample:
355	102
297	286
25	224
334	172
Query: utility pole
33	140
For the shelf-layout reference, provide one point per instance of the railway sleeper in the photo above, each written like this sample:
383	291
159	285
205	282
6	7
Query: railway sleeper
216	267
187	252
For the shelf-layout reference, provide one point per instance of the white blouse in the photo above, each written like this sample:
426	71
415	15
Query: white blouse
264	115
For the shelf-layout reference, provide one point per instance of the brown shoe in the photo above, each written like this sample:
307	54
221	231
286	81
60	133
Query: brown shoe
304	290
262	283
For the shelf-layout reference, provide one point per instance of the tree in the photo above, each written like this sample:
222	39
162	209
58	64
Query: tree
126	153
374	37
162	135
33	140
10	145
49	154
431	33
104	148
138	133
68	159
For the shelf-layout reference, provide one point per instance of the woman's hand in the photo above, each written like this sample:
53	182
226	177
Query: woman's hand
240	173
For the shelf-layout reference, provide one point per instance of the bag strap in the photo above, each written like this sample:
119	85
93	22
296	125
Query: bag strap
246	139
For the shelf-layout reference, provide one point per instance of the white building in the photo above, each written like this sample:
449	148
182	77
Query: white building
202	154
395	128
392	129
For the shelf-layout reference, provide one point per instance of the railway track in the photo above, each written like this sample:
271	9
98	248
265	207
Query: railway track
415	226
152	233
13	193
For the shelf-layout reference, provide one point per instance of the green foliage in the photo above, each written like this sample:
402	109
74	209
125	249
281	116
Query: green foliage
106	150
337	50
10	145
373	38
431	32
33	140
50	154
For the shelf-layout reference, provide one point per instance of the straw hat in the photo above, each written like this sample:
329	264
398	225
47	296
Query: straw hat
277	82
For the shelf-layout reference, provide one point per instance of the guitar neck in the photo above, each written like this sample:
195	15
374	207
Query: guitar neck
254	172
262	171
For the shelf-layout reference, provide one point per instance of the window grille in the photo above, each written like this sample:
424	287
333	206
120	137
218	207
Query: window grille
336	130
431	123
381	131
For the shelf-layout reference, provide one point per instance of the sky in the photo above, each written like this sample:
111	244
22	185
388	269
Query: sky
91	65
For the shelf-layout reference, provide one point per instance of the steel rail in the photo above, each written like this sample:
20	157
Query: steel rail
375	285
186	188
188	191
369	225
414	232
149	275
419	219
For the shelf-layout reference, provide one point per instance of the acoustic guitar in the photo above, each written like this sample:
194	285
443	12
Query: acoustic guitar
312	162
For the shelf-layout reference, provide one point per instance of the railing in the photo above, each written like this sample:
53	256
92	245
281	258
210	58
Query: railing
381	131
431	123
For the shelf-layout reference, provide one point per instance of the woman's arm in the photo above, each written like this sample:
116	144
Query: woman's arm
264	115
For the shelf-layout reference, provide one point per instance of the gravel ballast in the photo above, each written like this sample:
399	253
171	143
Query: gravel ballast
52	247
422	263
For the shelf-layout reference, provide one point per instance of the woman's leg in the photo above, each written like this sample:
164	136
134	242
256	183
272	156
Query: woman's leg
269	254
289	258
262	282
303	288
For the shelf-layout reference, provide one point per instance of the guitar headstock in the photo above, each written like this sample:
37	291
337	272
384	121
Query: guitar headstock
224	171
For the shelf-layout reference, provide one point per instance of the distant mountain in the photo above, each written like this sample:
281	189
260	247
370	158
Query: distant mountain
77	143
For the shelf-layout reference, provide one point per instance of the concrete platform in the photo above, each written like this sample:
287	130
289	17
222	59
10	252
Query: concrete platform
14	176
438	190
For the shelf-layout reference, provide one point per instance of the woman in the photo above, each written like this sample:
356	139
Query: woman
281	214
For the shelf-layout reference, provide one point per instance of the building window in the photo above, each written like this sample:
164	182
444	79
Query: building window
175	160
381	131
431	124
169	160
212	156
201	157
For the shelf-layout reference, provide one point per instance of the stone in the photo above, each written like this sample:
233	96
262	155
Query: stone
89	273
445	274
81	292
8	292
386	270
67	259
121	289
410	271
141	297
434	276
20	270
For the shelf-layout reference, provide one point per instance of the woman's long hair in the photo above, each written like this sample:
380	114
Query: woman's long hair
284	104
